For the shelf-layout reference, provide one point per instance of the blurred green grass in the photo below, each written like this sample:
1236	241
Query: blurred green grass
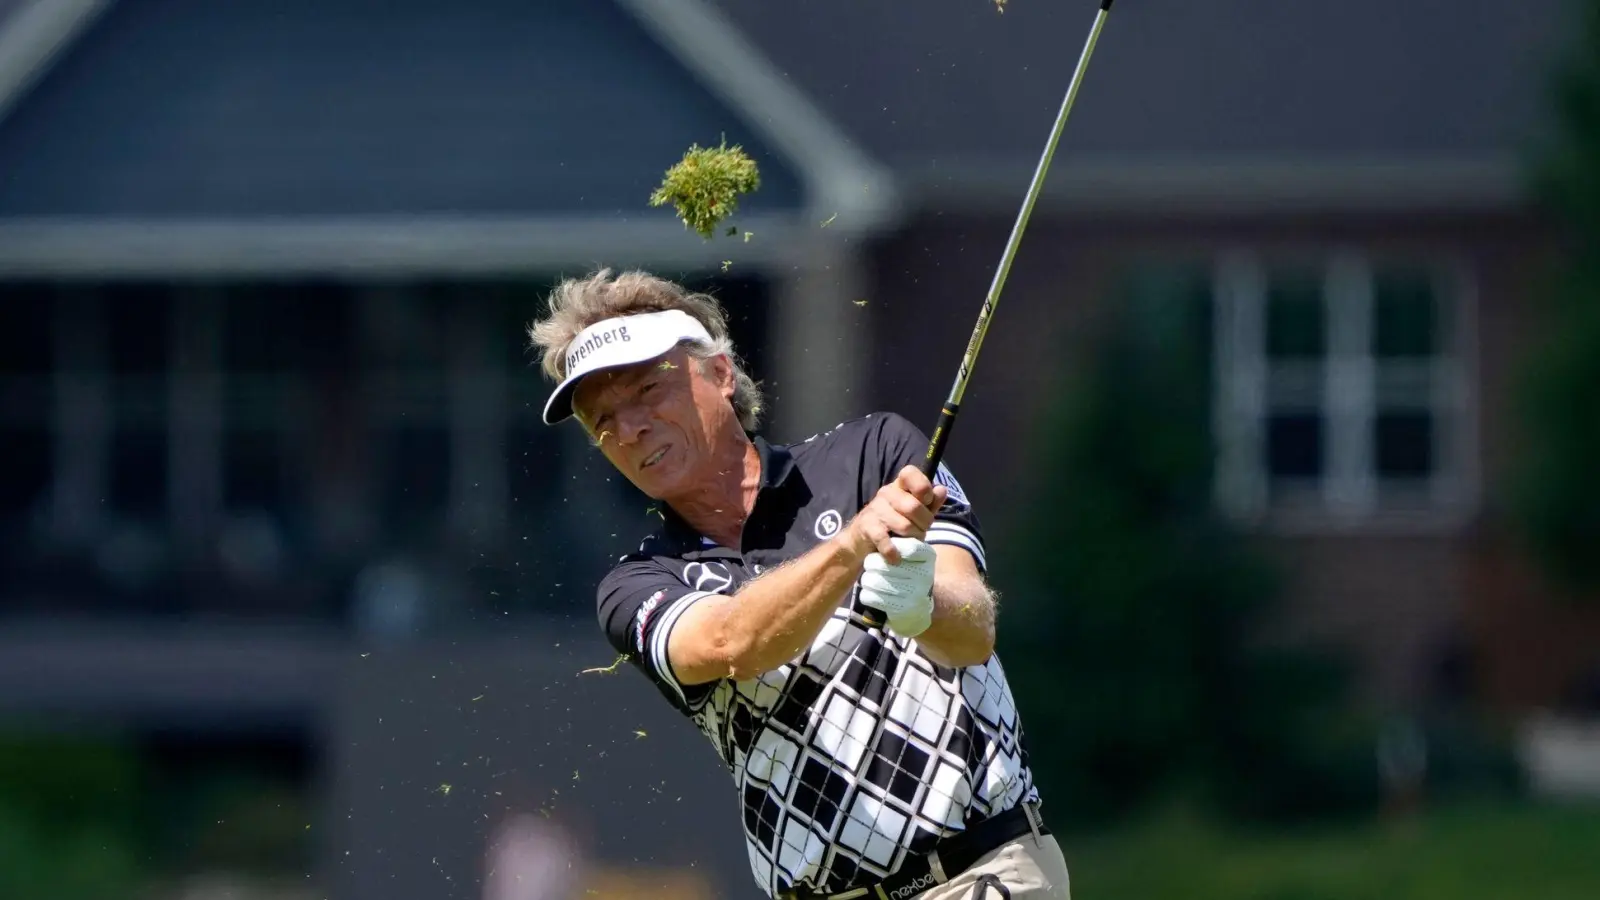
1470	851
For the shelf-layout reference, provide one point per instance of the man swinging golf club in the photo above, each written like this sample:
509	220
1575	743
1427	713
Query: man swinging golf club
871	762
819	610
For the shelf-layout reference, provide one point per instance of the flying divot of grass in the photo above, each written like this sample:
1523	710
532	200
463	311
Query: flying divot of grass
606	670
705	186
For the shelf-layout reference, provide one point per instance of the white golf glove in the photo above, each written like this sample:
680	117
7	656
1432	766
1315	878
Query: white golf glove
903	591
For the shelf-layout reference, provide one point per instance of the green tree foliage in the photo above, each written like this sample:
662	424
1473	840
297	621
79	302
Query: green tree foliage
69	816
1132	632
1556	493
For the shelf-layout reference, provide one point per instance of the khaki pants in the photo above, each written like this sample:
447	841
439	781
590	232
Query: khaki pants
1028	871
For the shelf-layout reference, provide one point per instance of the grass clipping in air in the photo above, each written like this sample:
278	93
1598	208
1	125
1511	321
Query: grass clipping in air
705	186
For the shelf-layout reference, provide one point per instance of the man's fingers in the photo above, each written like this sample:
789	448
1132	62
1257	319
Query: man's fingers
890	553
916	511
914	526
879	533
929	495
913	482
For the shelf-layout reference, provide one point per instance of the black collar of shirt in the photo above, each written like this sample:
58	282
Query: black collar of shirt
777	468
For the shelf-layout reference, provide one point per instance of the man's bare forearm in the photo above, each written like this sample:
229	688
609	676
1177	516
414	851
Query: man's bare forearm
779	614
962	633
964	612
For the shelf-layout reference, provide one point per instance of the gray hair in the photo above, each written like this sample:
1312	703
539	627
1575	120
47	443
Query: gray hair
577	303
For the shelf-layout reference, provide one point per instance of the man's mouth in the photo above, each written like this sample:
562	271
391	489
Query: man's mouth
655	457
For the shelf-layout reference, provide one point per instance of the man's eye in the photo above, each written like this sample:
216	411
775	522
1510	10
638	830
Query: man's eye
648	387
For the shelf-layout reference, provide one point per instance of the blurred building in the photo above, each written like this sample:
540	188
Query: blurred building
1348	184
264	270
266	273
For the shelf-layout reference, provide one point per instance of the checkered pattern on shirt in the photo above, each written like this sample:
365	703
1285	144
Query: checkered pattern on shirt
862	752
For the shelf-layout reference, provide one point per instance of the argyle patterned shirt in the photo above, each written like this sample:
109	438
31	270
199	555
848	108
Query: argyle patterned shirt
861	750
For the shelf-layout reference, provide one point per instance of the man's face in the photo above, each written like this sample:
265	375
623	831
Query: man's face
658	422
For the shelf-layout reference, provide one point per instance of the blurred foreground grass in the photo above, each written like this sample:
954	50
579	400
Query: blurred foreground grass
1476	851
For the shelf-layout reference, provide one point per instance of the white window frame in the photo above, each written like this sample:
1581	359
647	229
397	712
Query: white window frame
1348	495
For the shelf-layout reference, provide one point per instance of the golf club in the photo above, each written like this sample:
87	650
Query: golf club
952	405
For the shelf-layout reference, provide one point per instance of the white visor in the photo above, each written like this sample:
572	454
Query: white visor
614	343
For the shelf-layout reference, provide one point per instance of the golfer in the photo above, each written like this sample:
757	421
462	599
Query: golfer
869	762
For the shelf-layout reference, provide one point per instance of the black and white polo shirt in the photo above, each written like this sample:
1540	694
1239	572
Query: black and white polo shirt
843	765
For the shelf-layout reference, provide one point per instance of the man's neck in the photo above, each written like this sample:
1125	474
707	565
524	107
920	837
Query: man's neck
720	507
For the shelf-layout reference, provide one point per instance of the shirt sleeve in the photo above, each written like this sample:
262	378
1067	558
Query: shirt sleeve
896	443
639	602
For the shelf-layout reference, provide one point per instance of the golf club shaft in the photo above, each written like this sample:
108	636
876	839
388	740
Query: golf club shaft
952	405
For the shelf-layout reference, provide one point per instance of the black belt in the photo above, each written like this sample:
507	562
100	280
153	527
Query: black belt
948	858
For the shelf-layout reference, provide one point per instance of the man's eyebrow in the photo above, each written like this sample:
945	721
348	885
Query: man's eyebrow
618	381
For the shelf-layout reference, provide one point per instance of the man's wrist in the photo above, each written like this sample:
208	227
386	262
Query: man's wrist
848	551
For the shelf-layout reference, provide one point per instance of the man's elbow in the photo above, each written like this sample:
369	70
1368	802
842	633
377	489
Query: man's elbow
744	663
973	647
974	652
740	657
714	647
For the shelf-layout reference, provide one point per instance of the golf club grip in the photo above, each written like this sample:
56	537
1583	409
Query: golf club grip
930	465
941	437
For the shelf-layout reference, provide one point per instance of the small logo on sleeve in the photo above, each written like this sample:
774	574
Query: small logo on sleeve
642	619
828	524
954	496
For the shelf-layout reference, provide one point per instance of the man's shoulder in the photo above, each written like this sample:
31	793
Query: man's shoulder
882	426
651	553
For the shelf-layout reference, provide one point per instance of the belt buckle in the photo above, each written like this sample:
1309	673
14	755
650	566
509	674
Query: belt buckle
935	869
1032	814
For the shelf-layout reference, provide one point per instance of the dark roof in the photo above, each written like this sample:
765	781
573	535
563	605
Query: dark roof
8	8
308	107
948	84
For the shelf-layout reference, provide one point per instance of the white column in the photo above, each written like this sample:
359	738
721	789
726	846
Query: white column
820	341
1239	410
1454	486
82	415
1350	385
194	411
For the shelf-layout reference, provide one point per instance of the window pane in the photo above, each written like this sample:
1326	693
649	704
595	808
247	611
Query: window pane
418	483
532	455
1294	445
411	333
514	305
139	327
1296	315
295	327
26	474
1404	445
25	329
1406	314
257	331
252	470
139	471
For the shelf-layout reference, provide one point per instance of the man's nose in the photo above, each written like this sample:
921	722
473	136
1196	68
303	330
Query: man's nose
632	425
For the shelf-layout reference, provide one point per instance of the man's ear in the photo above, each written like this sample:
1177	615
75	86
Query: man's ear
722	373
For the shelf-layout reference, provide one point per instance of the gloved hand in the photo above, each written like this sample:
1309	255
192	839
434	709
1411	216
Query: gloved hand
903	591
